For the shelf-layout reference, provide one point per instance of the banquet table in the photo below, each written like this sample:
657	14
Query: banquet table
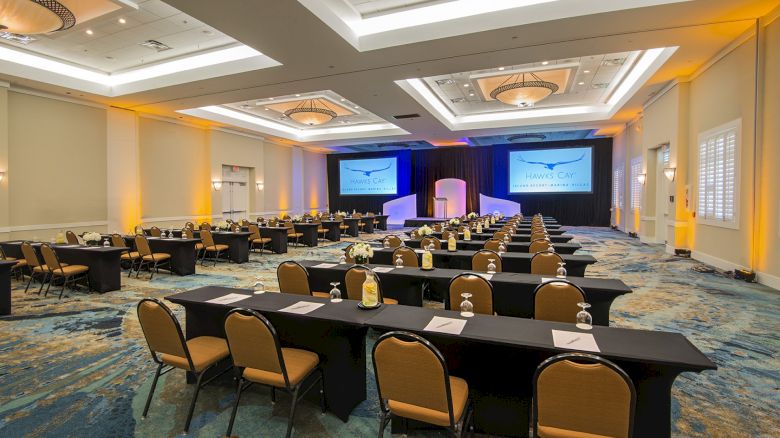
476	245
182	253
105	272
333	232
278	237
238	243
382	218
5	286
352	223
336	332
309	231
511	261
519	237
513	293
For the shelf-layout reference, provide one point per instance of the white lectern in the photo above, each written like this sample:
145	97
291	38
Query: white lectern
440	208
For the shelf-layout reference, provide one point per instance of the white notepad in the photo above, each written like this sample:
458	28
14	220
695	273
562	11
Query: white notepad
325	265
445	325
302	307
229	298
381	269
575	341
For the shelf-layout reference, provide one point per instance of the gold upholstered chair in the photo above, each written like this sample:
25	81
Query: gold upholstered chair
170	351
582	395
354	279
539	245
67	273
349	258
256	239
153	260
129	256
481	259
428	240
414	383
205	226
536	235
292	235
394	241
480	289
408	256
188	233
259	358
210	247
19	268
37	269
71	238
294	279
557	301
445	235
155	232
499	235
492	244
545	263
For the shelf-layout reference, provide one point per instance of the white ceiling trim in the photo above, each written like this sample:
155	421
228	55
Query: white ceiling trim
244	120
218	62
453	18
649	62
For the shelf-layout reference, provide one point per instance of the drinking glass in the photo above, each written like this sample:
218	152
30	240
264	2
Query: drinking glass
491	267
342	259
335	293
584	319
501	248
561	271
551	248
399	261
466	307
106	243
258	288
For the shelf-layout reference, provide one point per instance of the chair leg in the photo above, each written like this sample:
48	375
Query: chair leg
151	390
235	407
43	283
273	395
292	411
192	403
151	271
322	391
32	275
383	422
64	283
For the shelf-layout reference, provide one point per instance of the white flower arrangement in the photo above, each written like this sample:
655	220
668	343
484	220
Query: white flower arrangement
455	222
361	251
424	230
472	215
297	218
223	225
91	236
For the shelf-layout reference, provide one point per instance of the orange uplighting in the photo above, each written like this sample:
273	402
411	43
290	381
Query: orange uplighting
447	143
637	220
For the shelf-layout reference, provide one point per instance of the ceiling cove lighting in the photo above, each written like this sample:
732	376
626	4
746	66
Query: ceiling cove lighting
517	91
29	17
311	112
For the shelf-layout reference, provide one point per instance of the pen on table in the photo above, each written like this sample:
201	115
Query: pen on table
573	340
442	325
299	307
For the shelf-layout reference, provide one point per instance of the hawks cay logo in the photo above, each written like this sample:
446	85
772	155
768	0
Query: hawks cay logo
369	172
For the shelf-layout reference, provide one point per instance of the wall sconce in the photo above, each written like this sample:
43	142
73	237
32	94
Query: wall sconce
216	184
642	178
2	176
670	172
260	186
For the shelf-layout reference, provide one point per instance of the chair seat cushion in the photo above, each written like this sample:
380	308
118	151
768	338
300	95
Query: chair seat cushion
19	263
262	240
295	235
204	350
460	395
299	364
554	432
199	246
71	270
132	255
389	300
158	256
217	247
9	259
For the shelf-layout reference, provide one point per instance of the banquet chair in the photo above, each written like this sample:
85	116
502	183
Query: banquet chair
187	233
538	235
244	222
492	244
374	220
582	395
414	234
445	235
499	235
342	226
481	259
321	231
408	256
155	232
294	279
235	228
205	226
557	301
545	263
127	256
480	289
153	260
413	382
394	241
18	268
170	351
67	273
354	279
37	270
189	226
361	223
430	240
258	357
461	229
349	258
256	239
539	245
209	247
292	234
437	228
138	230
71	237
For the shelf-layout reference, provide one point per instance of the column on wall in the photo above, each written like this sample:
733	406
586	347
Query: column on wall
122	178
297	180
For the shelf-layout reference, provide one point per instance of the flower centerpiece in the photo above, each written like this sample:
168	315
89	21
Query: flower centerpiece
361	252
454	222
297	218
424	230
472	216
223	225
91	238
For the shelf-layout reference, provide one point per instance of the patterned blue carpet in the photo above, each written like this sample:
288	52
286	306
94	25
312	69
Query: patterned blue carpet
79	367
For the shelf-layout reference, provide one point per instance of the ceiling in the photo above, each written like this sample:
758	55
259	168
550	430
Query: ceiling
310	57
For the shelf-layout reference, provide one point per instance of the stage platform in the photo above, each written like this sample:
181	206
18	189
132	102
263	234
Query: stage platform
420	221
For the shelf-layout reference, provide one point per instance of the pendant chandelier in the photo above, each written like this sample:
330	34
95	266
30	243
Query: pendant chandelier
516	90
311	112
29	17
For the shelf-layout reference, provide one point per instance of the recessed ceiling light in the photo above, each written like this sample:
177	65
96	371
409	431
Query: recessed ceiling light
297	95
122	21
545	62
501	69
580	83
270	98
586	71
268	109
471	94
356	107
89	32
342	99
466	85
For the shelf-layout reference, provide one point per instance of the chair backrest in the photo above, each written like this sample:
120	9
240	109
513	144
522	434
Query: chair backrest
349	259
205	226
538	245
118	241
437	228
290	227
410	370
415	234
408	256
189	225
71	237
557	301
254	230
253	342
29	254
545	263
537	235
354	279
161	329
138	229
142	246
583	394
206	238
50	258
492	244
499	235
293	278
481	259
480	289
234	227
155	232
461	228
394	241
187	233
428	240
445	235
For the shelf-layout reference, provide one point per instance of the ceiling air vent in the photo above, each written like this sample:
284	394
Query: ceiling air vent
16	38
601	85
526	137
156	45
614	61
445	81
406	116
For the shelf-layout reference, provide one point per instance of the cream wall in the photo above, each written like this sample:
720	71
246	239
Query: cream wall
238	150
278	179
315	182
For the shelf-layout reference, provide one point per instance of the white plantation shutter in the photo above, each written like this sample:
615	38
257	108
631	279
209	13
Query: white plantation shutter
618	180
636	187
718	175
